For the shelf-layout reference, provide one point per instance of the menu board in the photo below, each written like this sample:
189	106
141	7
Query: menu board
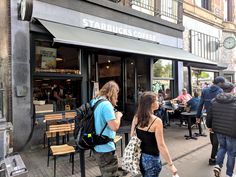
47	56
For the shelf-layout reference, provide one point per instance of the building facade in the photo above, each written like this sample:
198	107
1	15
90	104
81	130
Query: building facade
68	49
208	24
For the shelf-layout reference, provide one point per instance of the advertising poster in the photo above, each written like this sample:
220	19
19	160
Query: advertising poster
48	57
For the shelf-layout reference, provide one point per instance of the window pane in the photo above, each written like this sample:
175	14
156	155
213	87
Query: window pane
186	78
50	95
201	79
164	85
57	59
163	68
145	6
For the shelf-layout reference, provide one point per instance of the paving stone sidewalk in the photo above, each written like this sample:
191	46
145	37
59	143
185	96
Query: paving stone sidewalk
35	158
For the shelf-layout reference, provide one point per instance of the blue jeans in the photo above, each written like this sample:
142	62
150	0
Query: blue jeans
227	144
150	165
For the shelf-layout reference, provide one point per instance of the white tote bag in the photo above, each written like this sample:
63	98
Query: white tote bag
131	156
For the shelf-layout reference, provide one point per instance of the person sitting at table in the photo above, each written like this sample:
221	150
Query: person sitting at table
160	112
58	96
184	97
192	104
167	95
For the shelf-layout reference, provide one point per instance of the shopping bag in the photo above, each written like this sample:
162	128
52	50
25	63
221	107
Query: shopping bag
131	156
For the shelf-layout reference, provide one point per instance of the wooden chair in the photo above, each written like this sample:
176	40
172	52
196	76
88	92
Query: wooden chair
50	119
57	150
70	115
116	140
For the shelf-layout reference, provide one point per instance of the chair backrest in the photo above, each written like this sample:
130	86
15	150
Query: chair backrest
51	117
70	115
61	128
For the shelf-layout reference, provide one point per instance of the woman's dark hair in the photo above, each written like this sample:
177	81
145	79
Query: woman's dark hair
144	111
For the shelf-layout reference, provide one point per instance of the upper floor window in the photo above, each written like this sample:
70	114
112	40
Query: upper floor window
204	4
165	9
169	10
228	10
145	6
204	45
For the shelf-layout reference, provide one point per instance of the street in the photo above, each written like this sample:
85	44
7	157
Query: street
194	165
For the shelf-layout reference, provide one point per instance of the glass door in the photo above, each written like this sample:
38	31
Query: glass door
130	88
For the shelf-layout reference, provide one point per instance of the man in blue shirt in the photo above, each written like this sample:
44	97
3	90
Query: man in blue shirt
105	114
207	95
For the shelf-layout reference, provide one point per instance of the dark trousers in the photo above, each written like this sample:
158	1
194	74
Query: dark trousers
215	144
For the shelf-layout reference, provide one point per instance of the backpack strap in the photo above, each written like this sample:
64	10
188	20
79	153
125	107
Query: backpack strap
94	107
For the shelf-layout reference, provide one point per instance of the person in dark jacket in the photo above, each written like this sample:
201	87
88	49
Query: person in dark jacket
207	95
193	102
222	120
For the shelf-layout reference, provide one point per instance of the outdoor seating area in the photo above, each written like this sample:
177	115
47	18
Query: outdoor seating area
35	159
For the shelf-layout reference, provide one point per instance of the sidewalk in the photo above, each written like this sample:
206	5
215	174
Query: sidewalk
36	159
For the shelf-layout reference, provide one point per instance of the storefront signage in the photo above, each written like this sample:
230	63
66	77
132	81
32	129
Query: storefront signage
118	29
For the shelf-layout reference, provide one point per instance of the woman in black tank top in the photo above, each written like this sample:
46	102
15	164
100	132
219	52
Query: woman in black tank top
149	130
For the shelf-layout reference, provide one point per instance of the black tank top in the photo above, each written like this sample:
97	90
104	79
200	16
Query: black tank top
149	143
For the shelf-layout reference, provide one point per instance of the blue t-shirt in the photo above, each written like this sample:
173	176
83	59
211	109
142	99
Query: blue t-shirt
102	114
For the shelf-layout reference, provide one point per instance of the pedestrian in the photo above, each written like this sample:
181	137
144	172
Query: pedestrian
106	114
222	120
207	95
149	129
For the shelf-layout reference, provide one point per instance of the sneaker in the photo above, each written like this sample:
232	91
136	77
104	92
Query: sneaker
212	161
217	170
234	175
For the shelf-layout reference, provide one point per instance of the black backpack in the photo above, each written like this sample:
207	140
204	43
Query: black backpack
84	133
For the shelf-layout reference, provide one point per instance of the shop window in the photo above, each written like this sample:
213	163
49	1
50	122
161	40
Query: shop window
56	77
201	79
130	81
163	68
186	78
51	95
163	77
56	59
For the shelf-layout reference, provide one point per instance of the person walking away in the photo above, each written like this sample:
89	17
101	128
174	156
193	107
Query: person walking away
222	120
105	114
149	129
207	95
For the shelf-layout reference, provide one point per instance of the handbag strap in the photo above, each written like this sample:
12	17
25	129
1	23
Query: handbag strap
151	124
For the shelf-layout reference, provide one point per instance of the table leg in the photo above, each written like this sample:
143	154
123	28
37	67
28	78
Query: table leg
187	137
200	130
126	139
82	163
